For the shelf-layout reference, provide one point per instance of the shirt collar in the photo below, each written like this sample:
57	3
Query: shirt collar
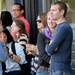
61	21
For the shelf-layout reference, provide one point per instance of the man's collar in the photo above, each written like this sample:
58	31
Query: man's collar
61	21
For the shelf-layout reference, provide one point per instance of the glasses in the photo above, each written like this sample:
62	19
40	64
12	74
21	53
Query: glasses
38	21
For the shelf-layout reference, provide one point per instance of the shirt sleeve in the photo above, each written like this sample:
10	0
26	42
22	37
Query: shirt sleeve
20	52
27	26
58	38
41	47
3	53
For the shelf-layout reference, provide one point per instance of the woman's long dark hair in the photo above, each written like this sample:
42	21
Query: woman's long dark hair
9	36
6	18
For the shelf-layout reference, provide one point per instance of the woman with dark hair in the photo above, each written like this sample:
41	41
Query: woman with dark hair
8	37
46	27
12	63
3	50
6	18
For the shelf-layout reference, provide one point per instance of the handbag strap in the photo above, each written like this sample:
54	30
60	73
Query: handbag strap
13	47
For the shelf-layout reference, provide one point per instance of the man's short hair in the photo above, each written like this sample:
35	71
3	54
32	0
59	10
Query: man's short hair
21	6
62	5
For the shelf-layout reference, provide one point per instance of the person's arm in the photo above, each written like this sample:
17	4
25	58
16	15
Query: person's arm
58	38
27	26
16	58
41	47
20	55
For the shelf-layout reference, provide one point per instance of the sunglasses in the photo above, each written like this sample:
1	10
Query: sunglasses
38	21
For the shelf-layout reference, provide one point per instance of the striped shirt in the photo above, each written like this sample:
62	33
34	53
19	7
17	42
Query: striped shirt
23	40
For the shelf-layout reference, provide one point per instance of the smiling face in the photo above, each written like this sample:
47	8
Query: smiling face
4	37
15	30
16	11
51	23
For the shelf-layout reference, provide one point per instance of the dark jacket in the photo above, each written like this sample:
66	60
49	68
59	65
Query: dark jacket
43	56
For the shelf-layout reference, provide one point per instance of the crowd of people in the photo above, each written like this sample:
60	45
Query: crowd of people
52	53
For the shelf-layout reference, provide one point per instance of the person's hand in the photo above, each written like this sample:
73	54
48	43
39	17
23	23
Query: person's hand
31	49
11	55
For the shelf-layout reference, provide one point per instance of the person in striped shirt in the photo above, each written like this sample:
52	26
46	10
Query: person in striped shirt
21	37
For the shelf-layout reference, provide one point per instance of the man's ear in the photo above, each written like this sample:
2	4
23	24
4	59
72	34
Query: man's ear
62	12
22	11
